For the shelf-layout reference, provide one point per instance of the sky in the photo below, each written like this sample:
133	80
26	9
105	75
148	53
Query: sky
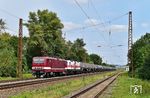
112	15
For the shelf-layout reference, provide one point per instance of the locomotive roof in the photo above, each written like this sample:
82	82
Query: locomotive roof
51	58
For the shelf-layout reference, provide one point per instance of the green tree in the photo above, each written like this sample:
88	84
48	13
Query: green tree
8	59
79	53
45	35
96	59
76	51
141	49
14	44
70	55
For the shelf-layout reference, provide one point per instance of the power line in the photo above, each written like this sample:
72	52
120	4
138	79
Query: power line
98	24
9	29
87	17
82	9
84	12
92	4
93	24
10	14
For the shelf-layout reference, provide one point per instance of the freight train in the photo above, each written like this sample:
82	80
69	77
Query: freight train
49	66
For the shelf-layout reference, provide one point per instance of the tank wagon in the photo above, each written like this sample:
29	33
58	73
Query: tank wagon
49	66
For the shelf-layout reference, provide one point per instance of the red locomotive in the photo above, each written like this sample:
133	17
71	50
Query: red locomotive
45	66
48	66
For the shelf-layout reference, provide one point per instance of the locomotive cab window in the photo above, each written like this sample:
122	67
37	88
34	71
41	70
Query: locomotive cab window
38	60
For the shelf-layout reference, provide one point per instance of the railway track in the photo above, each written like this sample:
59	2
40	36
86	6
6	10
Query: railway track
93	90
14	84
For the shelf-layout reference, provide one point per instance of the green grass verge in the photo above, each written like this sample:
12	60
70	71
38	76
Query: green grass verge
7	78
122	90
25	76
61	89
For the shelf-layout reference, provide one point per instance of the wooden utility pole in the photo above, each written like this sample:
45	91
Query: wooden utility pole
19	66
130	43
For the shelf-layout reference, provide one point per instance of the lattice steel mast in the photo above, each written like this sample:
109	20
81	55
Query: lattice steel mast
130	43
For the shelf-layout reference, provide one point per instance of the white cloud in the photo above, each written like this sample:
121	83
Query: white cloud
91	21
119	28
70	26
79	1
145	25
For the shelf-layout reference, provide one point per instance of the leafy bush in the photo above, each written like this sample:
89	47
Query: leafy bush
144	71
7	71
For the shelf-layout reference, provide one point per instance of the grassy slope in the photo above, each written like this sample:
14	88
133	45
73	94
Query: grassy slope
62	89
123	87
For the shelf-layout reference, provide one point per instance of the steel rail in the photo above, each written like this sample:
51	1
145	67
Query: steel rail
82	91
14	84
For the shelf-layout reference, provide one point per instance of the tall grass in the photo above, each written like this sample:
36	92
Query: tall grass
122	90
